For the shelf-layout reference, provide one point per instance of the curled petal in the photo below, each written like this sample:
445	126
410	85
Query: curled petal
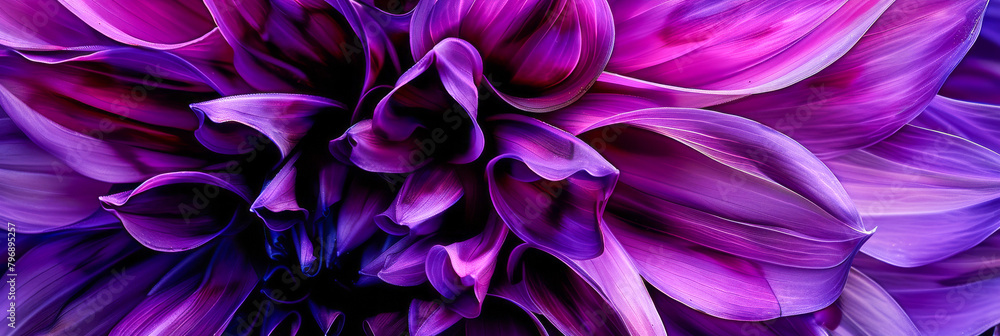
849	104
540	55
283	118
403	264
179	211
461	271
430	116
425	195
549	187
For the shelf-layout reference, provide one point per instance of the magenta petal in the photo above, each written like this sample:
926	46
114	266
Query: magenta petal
715	216
549	187
87	111
849	104
614	275
362	147
160	25
198	295
540	55
430	318
179	211
750	47
283	118
425	194
461	271
931	194
20	28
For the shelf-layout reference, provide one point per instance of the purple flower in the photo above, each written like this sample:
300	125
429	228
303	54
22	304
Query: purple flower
580	167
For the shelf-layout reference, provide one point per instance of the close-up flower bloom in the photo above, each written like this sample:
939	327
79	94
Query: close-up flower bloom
500	167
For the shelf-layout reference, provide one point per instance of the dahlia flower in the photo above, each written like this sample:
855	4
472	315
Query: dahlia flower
500	167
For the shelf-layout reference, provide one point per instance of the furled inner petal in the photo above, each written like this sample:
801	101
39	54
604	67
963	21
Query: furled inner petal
549	187
430	116
179	211
540	55
461	271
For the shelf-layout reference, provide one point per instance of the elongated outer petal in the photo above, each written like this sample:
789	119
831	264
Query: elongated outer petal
882	83
864	308
540	55
931	194
424	195
179	211
977	78
616	278
82	282
735	47
116	115
40	193
462	271
198	296
707	202
151	24
45	25
549	187
948	297
967	120
283	118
